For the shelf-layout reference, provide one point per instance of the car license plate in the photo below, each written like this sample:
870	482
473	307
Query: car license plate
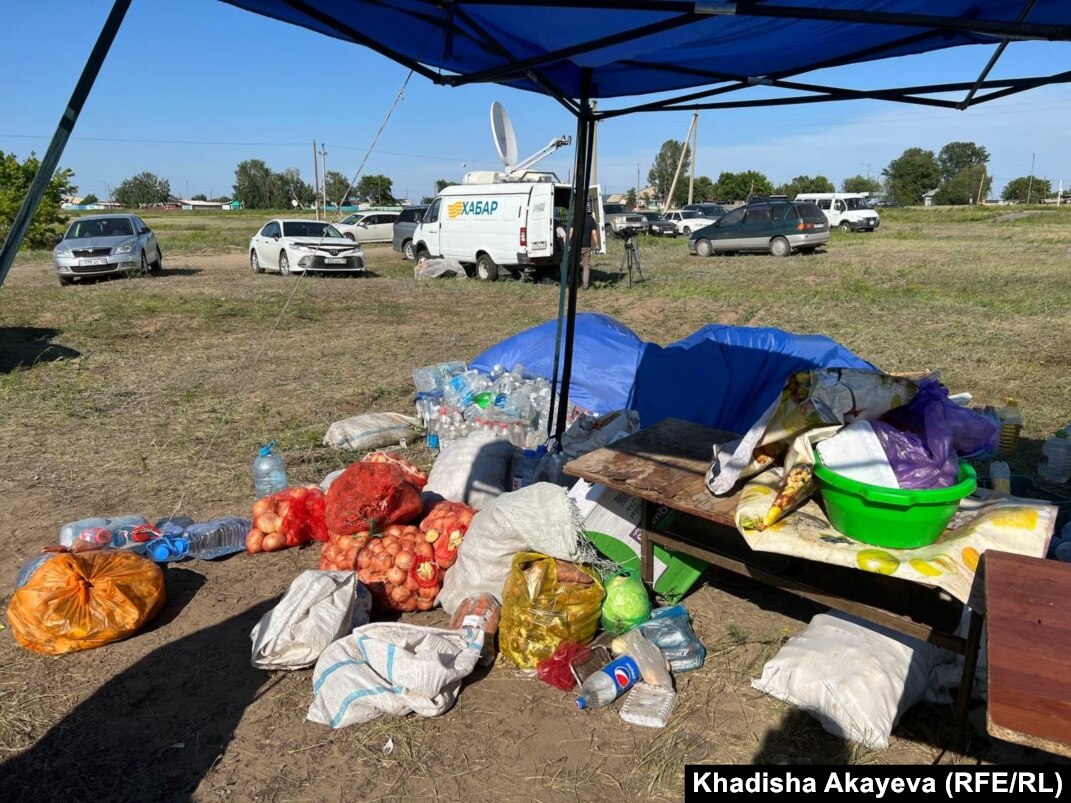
94	261
334	261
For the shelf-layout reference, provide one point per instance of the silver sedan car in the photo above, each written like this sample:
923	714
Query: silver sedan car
99	245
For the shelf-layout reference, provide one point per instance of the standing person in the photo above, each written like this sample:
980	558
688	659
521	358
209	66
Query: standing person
590	240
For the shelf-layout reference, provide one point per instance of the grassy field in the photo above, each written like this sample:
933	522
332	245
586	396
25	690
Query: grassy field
152	394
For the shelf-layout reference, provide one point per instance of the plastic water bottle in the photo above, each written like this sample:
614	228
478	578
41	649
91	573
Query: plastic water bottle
1000	477
1055	463
219	537
603	687
269	471
96	530
132	536
1011	423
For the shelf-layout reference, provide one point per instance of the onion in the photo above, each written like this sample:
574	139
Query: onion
381	562
360	543
424	550
394	529
396	577
431	536
263	506
403	560
428	592
399	594
364	559
393	548
376	545
278	522
299	493
273	542
362	534
265	522
345	543
329	552
425	604
253	541
351	557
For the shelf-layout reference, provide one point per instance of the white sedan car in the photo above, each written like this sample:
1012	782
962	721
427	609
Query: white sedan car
296	246
688	221
369	227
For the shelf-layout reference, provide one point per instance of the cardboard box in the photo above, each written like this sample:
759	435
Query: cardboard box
612	521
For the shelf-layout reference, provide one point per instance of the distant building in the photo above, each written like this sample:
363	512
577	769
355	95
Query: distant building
928	197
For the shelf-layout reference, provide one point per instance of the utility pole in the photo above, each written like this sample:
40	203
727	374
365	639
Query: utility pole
680	163
981	187
637	183
323	157
695	146
316	180
1030	183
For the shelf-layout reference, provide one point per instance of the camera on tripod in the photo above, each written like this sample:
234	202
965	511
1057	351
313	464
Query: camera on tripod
627	233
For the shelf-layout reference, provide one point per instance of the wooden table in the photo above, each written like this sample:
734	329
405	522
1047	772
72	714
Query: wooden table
1028	617
666	464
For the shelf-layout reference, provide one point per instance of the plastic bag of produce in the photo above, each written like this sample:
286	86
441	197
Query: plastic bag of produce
369	431
410	471
316	610
292	517
445	525
545	602
926	461
370	497
80	601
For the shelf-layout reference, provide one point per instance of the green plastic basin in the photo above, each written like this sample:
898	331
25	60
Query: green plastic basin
891	517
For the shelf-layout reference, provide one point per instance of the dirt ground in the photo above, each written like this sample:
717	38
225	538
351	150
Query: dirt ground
150	394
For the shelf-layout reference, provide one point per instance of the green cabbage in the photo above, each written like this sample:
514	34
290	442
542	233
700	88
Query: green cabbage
626	604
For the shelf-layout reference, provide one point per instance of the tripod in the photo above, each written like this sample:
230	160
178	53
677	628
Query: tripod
631	259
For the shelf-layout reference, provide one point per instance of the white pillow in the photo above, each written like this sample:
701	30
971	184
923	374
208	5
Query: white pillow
856	678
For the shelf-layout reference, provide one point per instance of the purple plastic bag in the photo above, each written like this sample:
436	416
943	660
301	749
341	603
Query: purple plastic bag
971	433
917	464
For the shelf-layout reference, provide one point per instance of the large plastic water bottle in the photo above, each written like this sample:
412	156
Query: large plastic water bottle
269	471
1055	463
218	537
603	687
97	530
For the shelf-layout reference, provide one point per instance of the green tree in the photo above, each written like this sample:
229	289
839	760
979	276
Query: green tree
442	183
861	184
337	187
376	189
15	180
958	156
254	185
968	186
291	187
665	166
1027	189
703	189
912	174
141	190
90	199
630	198
198	197
740	186
805	184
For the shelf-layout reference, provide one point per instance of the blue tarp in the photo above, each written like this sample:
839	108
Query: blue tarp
631	51
720	376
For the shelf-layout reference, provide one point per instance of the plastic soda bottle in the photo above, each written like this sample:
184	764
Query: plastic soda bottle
603	687
219	537
269	471
1055	463
1011	423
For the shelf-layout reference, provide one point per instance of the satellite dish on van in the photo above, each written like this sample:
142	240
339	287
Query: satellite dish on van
502	132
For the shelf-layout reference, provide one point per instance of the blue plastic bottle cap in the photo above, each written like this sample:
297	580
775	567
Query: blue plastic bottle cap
581	703
265	451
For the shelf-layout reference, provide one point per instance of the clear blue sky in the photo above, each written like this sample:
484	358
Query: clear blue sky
191	88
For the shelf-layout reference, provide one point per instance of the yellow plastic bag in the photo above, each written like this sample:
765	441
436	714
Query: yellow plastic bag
541	610
79	601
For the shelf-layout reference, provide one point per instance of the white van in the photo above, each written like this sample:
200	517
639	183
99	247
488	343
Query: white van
507	225
849	210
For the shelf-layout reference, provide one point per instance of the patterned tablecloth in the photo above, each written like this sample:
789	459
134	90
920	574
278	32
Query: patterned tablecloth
1005	523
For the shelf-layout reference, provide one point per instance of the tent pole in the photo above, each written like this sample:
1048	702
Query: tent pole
585	130
59	140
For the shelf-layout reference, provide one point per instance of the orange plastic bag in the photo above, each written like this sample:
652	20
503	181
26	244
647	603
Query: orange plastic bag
80	601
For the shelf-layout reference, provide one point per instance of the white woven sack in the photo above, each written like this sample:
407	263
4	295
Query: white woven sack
537	518
473	470
391	668
316	610
369	431
856	678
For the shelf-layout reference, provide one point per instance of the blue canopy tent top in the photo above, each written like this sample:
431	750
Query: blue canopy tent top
577	51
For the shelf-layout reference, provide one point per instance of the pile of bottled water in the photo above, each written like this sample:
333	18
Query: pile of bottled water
453	400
